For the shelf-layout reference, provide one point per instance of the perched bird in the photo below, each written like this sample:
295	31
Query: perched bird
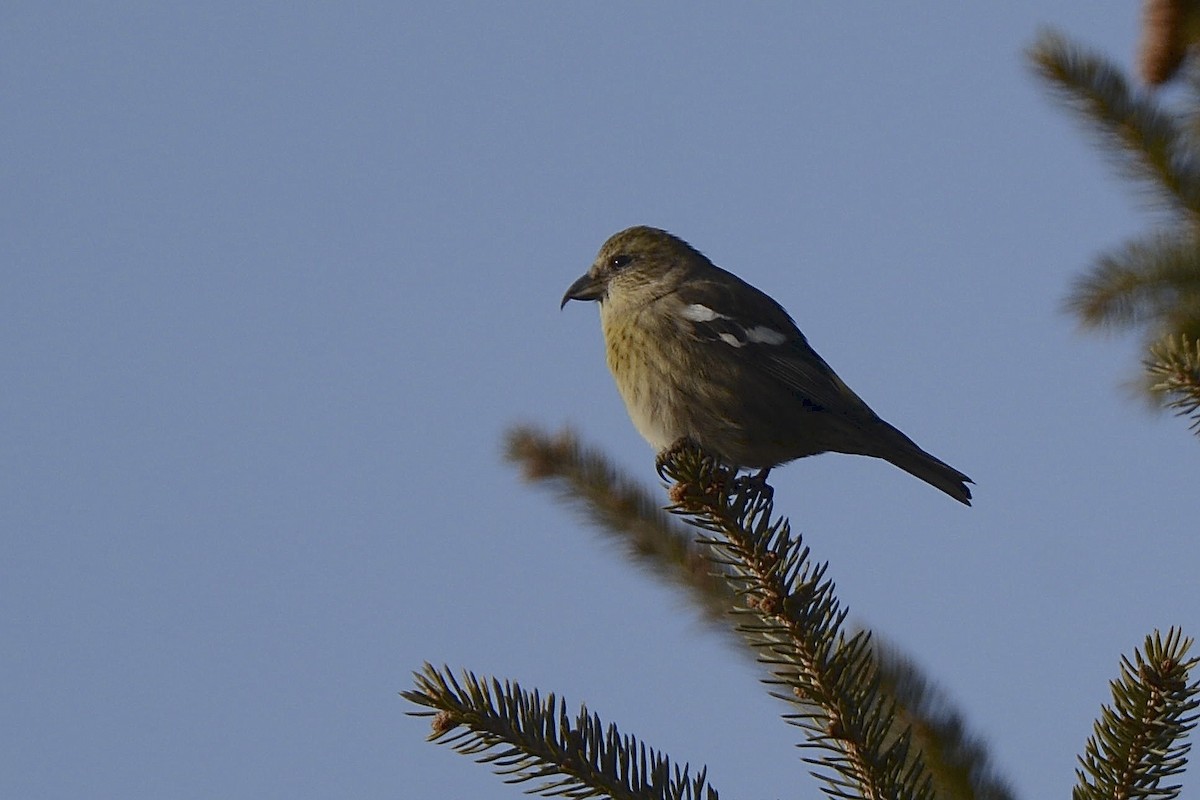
698	353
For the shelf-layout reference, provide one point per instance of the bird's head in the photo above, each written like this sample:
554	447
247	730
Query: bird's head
634	267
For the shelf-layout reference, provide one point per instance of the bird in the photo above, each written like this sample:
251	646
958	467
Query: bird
699	354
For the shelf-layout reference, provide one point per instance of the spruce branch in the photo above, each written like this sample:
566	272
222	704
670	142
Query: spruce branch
957	759
797	624
1138	741
1189	104
1154	281
1174	368
528	738
1145	140
584	478
620	507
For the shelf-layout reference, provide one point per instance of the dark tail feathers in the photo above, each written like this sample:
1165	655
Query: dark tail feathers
904	453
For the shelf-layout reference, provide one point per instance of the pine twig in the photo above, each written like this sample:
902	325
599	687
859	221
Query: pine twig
798	626
1153	281
957	759
584	478
530	739
1137	742
624	509
1146	140
1174	366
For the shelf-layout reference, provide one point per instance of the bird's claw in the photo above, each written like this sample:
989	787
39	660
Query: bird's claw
756	482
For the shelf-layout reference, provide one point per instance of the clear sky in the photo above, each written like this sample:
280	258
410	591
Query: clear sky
277	277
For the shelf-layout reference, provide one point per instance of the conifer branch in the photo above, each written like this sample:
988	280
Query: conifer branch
1174	368
1145	140
1153	281
622	508
797	624
530	739
1137	742
1189	106
585	478
957	760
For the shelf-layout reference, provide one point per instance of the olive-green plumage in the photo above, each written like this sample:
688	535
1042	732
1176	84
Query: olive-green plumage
697	352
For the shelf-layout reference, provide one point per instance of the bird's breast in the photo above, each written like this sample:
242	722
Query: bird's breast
645	364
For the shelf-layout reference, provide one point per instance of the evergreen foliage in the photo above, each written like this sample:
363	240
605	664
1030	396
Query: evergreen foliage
874	726
626	511
1137	743
796	622
1150	284
620	508
1174	369
531	739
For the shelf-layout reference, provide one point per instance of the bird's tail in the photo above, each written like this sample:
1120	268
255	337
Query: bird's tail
934	472
905	454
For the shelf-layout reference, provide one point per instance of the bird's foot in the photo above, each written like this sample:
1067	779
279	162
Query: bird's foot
756	482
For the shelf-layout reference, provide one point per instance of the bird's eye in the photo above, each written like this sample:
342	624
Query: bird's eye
617	262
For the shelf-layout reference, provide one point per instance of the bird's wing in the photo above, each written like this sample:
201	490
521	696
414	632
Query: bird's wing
735	315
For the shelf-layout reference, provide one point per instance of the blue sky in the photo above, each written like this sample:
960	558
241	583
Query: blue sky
279	277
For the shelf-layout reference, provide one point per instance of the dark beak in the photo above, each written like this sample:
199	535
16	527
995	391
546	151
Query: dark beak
586	288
